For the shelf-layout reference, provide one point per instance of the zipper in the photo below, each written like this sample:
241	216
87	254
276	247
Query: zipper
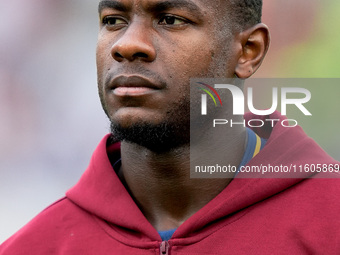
164	249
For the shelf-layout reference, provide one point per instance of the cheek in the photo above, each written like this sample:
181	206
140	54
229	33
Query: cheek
187	60
100	57
202	56
103	55
102	66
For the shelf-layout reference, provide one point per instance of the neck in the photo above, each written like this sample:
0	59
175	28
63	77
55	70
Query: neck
160	183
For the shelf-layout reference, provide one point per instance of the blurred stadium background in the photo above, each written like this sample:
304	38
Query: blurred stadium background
51	118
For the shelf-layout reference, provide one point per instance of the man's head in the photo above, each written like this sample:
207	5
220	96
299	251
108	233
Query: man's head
149	49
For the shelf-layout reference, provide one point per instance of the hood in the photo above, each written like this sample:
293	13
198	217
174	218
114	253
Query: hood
101	193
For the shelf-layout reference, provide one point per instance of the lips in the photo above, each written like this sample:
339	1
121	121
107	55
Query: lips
133	86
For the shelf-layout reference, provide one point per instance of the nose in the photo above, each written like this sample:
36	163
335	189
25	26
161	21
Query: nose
135	43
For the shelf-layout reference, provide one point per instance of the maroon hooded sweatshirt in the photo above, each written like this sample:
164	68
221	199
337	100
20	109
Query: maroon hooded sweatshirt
250	216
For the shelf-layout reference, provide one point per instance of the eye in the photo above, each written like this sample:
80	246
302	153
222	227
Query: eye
172	20
113	21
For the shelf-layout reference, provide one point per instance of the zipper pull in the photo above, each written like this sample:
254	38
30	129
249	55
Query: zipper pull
164	249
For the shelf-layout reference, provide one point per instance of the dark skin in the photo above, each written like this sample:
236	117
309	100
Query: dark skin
146	54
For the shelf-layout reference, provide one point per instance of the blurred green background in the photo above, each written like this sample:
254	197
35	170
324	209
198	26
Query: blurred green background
305	44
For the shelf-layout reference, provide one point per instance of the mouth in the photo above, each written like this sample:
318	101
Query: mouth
133	86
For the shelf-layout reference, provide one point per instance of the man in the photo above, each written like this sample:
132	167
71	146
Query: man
137	197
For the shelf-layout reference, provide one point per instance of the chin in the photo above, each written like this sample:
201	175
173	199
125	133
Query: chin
159	138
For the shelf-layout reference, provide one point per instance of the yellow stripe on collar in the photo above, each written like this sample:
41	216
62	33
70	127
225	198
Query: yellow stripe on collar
258	145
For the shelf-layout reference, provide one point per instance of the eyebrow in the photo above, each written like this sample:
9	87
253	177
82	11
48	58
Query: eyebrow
172	4
111	5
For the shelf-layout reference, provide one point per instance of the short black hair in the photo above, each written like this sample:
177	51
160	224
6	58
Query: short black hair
246	13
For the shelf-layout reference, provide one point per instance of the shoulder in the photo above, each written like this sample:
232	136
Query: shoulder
310	209
313	208
321	189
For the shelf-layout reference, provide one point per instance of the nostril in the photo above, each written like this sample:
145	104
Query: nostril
117	55
140	55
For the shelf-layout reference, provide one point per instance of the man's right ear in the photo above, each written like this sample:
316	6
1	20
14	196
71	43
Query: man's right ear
255	43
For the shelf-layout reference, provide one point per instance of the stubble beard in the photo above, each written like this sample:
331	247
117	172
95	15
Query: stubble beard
167	135
160	138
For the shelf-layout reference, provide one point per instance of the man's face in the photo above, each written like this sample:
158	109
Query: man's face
146	54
